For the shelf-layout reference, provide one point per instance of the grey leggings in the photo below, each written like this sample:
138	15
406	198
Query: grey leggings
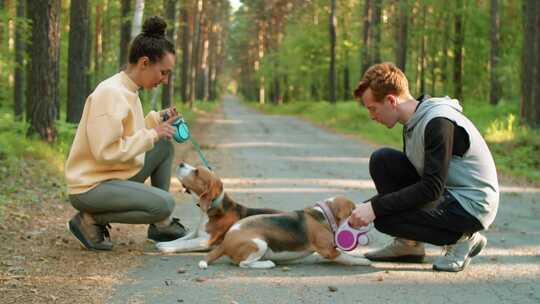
131	201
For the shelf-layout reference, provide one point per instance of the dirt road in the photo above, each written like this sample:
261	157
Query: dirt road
286	163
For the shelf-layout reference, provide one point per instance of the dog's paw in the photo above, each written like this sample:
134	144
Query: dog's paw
165	248
203	264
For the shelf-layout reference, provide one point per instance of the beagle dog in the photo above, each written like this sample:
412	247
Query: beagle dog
259	241
218	212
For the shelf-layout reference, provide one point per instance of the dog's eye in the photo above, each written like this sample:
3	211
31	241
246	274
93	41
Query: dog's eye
196	172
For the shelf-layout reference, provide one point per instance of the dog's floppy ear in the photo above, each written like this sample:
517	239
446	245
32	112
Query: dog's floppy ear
342	208
214	190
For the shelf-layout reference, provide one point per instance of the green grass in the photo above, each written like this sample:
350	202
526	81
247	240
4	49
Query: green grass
515	148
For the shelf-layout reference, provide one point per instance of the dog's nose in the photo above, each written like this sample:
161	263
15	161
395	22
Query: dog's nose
182	165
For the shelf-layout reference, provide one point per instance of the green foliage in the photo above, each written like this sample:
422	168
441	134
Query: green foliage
14	144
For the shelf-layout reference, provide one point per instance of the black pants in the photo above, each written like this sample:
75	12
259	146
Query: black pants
440	223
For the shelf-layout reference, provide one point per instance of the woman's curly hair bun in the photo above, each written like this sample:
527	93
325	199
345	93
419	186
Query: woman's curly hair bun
154	27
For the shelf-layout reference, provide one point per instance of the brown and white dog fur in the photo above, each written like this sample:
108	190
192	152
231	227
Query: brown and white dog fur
259	241
218	212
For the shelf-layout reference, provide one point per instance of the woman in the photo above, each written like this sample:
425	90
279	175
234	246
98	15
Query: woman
116	148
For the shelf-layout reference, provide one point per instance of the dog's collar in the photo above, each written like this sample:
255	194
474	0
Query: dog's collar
328	214
216	201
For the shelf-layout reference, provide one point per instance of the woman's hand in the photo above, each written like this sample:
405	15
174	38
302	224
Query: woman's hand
362	215
165	129
168	113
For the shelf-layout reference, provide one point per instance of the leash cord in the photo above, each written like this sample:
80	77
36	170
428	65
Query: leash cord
198	149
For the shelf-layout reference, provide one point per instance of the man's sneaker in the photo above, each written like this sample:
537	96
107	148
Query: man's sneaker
91	235
459	255
173	231
400	250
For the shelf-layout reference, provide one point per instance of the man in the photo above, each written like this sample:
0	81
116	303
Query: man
442	189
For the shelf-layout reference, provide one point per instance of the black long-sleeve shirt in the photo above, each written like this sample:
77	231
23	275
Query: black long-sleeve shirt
442	139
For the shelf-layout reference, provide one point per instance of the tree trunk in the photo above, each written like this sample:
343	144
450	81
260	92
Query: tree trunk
125	29
458	50
444	60
44	54
195	51
260	44
401	49
168	89
366	60
531	72
136	25
98	46
535	102
332	74
77	57
186	53
376	31
495	84
422	59
20	49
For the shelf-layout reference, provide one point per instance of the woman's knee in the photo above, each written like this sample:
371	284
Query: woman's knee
166	147
165	207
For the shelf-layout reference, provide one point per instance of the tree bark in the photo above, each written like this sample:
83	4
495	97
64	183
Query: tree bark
186	52
535	102
168	89
458	50
125	34
20	49
43	81
136	25
376	31
422	59
98	46
530	78
402	32
332	73
495	85
77	57
366	60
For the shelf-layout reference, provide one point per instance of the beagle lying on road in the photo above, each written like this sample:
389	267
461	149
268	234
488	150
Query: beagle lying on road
258	241
218	211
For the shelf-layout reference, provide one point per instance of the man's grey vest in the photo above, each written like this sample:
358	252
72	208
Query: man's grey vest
472	179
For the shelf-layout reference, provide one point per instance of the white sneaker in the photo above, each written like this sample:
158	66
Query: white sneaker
459	255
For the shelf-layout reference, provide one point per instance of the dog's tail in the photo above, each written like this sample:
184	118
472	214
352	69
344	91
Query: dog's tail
213	255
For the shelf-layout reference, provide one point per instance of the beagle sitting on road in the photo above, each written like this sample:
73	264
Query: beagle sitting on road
259	241
218	211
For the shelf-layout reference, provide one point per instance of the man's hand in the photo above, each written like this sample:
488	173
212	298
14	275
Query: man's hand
165	129
168	113
362	215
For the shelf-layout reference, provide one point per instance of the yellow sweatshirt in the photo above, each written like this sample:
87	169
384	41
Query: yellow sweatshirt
112	137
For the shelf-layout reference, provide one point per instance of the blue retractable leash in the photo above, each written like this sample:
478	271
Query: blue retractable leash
182	135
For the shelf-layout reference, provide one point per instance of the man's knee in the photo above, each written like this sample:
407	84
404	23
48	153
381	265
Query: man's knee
379	159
